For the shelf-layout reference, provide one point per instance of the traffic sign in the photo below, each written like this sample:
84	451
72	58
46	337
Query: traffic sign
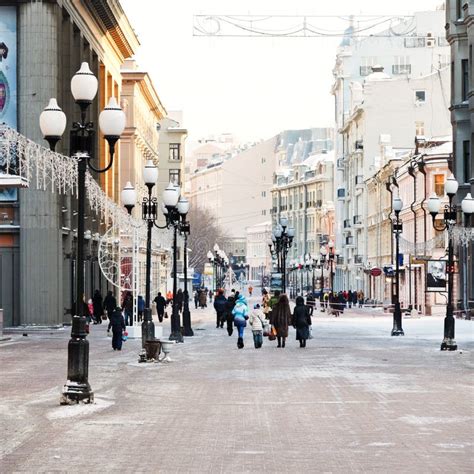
376	272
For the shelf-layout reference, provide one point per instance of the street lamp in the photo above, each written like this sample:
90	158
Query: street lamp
449	217
175	214
52	123
397	329
331	255
282	240
323	252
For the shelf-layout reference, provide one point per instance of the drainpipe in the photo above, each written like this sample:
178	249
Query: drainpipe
388	185
411	172
422	170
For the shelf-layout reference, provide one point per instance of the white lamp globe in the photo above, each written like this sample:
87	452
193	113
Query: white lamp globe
467	204
178	189
112	119
323	251
84	85
170	196
216	248
291	231
278	231
52	120
397	204
150	173
209	255
164	210
434	204
183	206
128	195
284	221
451	186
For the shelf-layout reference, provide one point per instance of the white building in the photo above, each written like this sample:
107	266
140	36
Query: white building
370	118
259	260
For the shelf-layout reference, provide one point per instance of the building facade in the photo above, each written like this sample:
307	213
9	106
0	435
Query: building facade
258	257
460	35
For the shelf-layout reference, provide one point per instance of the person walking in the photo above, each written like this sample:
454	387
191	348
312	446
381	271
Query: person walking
250	290
241	315
349	299
98	306
265	303
360	298
110	303
301	321
140	307
220	304
256	321
229	317
281	319
179	300
117	324
211	294
160	303
196	299
203	299
310	303
127	306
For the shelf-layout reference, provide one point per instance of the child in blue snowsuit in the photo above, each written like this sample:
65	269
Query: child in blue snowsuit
241	314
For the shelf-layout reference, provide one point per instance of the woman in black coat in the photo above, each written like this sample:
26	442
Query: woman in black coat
301	321
117	324
97	304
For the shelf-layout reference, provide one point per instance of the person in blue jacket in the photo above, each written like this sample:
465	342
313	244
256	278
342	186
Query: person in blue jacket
140	307
241	314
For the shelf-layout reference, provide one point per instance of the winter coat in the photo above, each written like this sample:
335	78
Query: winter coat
117	322
240	313
160	303
97	304
220	304
265	303
203	298
141	304
256	320
127	305
110	303
229	307
179	298
281	318
301	320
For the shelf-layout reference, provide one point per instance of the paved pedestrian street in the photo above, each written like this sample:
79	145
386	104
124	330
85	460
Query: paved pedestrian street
355	400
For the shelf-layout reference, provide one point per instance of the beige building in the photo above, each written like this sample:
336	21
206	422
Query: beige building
304	194
413	176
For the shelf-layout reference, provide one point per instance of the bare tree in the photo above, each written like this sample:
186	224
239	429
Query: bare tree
204	234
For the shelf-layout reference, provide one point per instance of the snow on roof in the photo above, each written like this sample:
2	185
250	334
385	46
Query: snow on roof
314	159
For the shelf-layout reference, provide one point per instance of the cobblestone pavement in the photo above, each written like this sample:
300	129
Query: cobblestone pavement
355	400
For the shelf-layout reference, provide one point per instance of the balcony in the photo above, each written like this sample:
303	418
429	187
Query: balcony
347	223
359	181
357	221
349	241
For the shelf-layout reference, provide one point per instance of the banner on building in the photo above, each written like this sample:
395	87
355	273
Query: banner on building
436	275
8	79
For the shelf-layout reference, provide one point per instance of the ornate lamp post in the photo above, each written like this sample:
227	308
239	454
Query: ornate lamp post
323	252
52	124
282	240
175	210
450	218
397	230
220	263
183	209
331	256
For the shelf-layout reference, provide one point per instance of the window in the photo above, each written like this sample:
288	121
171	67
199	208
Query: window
366	64
174	152
415	42
466	160
444	60
175	177
439	184
420	96
401	65
458	9
264	194
465	78
420	129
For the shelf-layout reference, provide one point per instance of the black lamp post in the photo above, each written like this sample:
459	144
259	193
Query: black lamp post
323	252
175	209
185	229
53	123
220	262
397	230
450	218
282	240
331	256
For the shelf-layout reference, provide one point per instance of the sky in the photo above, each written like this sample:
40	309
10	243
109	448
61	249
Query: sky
251	87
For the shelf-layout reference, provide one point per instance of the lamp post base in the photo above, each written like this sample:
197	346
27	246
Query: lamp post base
397	332
74	393
397	321
449	344
148	327
187	329
176	336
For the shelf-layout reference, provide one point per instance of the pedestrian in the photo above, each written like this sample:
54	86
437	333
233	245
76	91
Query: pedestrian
325	301
229	317
301	321
140	307
241	315
354	298
360	298
97	304
342	300
160	303
110	303
127	306
250	290
281	319
90	310
211	294
334	303
310	303
265	303
196	299
256	321
220	304
203	299
169	297
179	300
117	324
349	299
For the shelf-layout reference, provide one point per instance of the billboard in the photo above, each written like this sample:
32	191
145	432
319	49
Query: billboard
8	79
8	61
436	275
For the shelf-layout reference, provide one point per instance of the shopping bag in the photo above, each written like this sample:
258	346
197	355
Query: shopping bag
272	334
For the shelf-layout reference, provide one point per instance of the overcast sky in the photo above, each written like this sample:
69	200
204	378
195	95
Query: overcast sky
252	87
